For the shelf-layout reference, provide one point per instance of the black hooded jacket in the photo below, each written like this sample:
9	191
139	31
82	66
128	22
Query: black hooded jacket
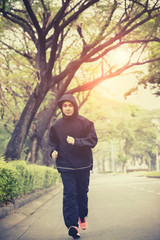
77	156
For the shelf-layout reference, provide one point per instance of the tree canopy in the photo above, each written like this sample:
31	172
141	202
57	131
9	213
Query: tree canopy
67	46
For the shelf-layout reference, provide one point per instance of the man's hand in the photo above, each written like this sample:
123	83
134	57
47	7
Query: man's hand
70	140
54	154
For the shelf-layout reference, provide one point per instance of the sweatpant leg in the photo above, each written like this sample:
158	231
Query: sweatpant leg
82	192
70	206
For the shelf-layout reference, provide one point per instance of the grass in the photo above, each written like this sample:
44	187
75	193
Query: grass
150	174
140	173
153	174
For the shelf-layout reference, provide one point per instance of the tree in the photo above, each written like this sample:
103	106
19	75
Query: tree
47	34
151	76
125	132
122	158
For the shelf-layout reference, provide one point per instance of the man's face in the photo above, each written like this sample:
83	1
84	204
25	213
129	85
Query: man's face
68	108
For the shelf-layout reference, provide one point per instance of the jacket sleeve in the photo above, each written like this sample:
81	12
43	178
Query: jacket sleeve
53	140
90	140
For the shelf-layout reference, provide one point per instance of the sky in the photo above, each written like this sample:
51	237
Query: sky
116	87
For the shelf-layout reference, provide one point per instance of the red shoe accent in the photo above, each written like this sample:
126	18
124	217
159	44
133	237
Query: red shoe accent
83	223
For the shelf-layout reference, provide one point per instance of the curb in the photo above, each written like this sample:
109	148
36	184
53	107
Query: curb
153	176
22	201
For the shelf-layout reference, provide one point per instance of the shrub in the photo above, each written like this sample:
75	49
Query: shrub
19	177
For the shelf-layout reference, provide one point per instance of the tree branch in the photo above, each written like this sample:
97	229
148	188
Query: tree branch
119	36
21	22
15	50
44	6
90	85
96	50
75	15
33	17
56	20
155	39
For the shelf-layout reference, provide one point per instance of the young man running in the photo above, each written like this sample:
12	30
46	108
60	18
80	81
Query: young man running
71	138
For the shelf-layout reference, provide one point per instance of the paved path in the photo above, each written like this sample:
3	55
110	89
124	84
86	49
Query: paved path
121	207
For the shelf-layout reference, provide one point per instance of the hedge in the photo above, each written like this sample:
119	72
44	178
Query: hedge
18	178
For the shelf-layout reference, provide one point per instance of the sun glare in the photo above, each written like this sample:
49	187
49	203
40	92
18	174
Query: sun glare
120	57
116	87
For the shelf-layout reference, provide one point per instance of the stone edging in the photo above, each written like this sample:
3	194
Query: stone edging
19	202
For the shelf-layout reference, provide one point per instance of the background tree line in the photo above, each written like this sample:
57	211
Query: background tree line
128	135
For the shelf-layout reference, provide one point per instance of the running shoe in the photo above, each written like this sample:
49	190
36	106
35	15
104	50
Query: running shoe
83	223
74	232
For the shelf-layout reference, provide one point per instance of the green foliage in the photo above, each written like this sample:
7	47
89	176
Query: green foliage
9	179
129	128
18	177
153	174
122	157
4	138
8	4
152	78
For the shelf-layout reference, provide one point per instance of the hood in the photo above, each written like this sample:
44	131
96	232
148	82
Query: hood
70	98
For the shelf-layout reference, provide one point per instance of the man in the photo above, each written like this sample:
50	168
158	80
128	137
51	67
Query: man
71	140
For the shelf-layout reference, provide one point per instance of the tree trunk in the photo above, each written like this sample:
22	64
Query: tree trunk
39	131
33	149
20	132
45	119
46	152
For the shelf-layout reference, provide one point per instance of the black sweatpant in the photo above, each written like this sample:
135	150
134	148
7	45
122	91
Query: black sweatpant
75	198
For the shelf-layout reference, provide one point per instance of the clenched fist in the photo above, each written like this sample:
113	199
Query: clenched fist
70	140
54	154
